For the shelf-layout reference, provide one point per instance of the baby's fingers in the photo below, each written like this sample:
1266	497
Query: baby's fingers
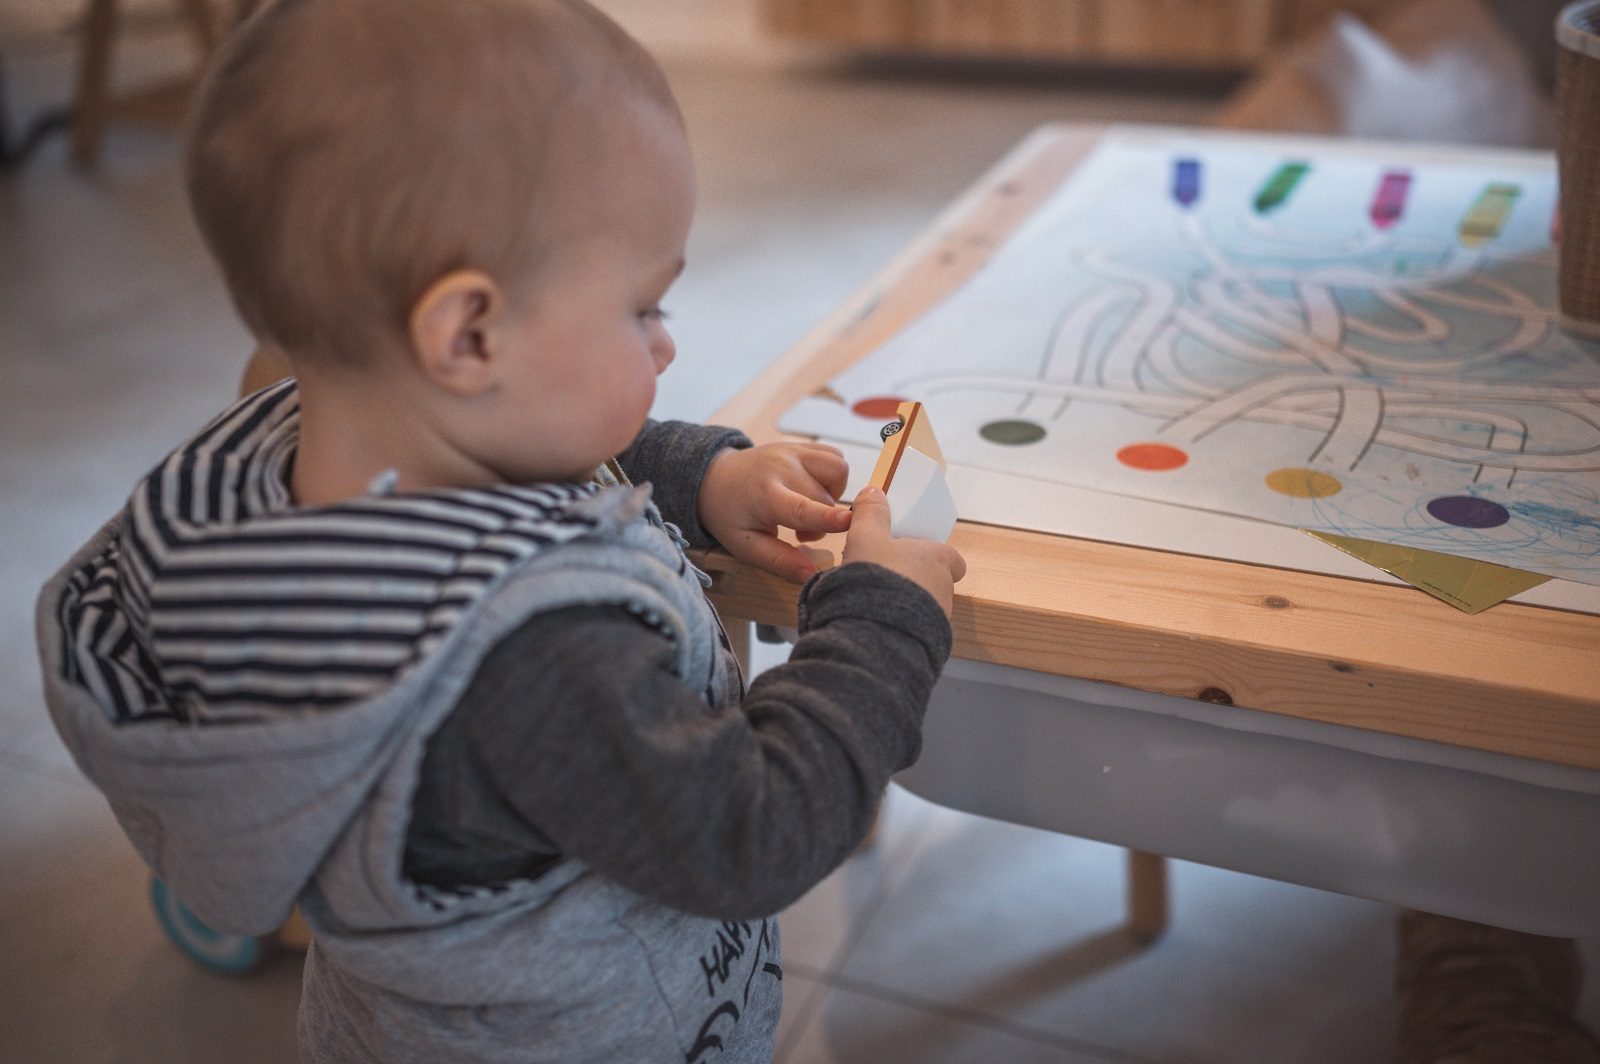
774	555
869	524
952	560
935	556
796	511
827	465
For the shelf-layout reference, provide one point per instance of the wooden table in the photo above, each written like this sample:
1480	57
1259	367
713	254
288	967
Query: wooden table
1519	683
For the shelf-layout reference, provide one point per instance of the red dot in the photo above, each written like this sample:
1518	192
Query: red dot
877	407
1152	457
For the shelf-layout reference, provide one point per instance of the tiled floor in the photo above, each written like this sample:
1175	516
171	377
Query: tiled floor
972	940
949	939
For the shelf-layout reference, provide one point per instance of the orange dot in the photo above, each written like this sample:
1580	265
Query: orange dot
877	407
1151	457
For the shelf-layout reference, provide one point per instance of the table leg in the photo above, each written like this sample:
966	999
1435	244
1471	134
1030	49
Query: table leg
1147	895
739	636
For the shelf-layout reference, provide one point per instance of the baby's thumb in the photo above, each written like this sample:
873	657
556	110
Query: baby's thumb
870	514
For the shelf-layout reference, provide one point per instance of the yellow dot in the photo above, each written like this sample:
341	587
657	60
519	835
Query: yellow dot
1303	483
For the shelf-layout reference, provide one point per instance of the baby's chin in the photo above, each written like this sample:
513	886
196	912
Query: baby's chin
577	461
568	470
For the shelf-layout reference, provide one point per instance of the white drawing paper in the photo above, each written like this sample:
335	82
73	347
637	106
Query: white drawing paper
1360	340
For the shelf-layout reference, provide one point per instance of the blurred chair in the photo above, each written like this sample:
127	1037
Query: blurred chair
96	106
1435	70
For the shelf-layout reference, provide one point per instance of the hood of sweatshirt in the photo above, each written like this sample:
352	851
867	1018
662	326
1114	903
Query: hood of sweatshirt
232	671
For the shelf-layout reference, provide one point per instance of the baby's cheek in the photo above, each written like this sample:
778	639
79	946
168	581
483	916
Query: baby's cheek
631	405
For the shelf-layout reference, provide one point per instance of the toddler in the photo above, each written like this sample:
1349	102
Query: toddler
399	640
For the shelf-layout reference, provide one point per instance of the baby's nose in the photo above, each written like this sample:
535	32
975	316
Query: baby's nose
664	350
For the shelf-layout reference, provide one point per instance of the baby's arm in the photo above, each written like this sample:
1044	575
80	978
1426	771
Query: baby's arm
580	732
721	491
673	457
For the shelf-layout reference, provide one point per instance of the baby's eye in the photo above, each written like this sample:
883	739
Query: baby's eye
653	314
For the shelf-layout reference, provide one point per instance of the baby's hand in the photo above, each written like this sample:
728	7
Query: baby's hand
746	495
934	567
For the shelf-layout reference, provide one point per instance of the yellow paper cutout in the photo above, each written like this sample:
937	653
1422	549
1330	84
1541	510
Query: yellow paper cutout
1469	585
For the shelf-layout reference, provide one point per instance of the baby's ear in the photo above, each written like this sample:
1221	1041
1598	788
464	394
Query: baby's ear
452	331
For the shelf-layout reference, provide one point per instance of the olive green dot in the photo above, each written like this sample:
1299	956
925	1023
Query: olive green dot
1012	433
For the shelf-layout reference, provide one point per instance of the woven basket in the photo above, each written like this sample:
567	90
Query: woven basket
1578	93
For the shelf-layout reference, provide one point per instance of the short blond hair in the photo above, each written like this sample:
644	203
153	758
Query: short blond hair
345	154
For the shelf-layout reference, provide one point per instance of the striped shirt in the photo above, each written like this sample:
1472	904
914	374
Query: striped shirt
217	599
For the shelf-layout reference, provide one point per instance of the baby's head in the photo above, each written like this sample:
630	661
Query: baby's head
465	211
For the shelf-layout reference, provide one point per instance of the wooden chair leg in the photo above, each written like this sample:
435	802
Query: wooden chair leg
94	68
1147	895
294	934
95	105
203	24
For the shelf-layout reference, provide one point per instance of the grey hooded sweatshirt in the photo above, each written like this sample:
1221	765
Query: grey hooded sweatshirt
254	686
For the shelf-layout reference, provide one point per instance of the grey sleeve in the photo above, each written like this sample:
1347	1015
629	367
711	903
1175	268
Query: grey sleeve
673	457
578	726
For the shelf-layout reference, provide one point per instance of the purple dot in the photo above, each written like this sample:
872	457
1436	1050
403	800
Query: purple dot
1465	511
